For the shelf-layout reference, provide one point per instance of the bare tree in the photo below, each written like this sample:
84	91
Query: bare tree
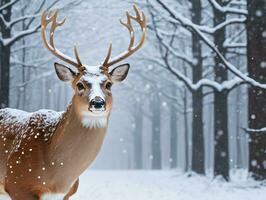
221	155
256	38
18	19
222	85
197	96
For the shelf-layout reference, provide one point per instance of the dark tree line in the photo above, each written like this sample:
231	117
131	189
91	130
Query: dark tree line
9	38
253	20
18	20
197	96
206	73
221	156
256	51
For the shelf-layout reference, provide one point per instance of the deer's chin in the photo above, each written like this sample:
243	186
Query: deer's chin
95	113
94	120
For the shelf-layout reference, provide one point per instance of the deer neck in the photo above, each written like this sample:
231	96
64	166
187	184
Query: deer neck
74	143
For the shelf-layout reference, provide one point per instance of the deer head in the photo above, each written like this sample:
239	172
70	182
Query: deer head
92	100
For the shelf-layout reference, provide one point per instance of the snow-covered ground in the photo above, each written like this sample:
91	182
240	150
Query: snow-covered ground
163	185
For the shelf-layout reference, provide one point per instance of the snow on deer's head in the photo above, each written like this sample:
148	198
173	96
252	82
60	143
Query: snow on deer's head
92	100
93	96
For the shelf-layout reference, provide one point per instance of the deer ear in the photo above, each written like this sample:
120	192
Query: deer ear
64	73
119	73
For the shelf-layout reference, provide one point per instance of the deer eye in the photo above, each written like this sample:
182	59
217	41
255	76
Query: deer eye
80	86
108	86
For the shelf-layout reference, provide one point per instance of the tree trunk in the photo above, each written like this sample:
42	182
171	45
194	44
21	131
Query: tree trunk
221	157
5	58
197	97
221	160
24	70
156	130
239	145
187	166
138	116
256	40
173	129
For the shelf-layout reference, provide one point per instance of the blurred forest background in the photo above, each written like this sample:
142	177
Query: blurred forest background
194	99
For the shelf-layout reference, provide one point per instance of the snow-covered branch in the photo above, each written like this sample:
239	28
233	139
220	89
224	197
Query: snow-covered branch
3	20
191	26
227	9
212	30
11	3
225	86
250	130
17	20
235	45
238	3
206	29
19	35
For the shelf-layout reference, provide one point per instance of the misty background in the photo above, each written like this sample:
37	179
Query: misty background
181	106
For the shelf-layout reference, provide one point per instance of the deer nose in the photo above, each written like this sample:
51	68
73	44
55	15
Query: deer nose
97	103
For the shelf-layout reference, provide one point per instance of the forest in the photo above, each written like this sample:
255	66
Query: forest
195	97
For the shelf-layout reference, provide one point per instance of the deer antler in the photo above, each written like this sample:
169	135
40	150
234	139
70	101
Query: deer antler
140	18
52	18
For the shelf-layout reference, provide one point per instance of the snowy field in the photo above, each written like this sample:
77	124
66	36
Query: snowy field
163	185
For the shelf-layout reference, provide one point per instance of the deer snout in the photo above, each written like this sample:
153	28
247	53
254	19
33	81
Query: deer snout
97	103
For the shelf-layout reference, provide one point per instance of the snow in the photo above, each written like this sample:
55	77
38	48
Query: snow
163	185
213	30
227	9
10	115
26	124
18	35
185	22
261	130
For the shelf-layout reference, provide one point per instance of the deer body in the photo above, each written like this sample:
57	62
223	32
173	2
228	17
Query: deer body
46	157
43	153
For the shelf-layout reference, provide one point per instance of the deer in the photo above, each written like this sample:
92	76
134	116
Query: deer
43	153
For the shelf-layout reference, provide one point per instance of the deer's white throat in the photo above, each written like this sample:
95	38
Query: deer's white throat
94	120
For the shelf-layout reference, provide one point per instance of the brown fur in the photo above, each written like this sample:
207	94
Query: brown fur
51	166
40	157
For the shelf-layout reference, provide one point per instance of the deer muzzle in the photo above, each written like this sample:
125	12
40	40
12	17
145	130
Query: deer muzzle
97	104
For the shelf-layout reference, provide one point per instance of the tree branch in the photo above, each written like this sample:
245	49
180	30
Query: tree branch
21	34
213	30
11	3
191	26
227	10
15	21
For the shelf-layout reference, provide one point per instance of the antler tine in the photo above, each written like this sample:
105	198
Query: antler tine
54	25
137	13
141	20
129	26
77	56
140	17
108	56
46	19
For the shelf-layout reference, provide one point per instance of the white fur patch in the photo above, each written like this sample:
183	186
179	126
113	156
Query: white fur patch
50	196
90	120
95	80
96	91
